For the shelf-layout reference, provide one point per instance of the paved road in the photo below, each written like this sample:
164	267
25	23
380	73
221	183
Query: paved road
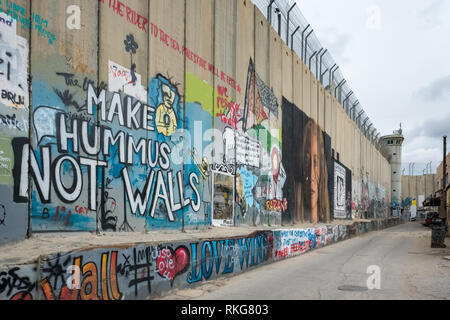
410	269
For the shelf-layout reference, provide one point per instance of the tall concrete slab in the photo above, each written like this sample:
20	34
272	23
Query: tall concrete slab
274	143
321	105
123	67
166	40
167	58
262	46
287	72
306	105
314	97
14	115
334	132
226	112
298	80
64	64
328	111
250	24
201	74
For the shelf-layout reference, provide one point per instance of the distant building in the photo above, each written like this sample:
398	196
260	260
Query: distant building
419	187
391	148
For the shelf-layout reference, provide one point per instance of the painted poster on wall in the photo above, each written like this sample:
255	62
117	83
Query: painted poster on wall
342	199
260	175
306	156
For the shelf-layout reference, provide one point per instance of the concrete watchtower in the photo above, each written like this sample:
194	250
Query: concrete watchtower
391	148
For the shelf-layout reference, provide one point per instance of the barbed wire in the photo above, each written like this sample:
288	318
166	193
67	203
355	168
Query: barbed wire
317	58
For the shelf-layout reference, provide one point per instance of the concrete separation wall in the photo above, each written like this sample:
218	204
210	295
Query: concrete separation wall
135	116
127	272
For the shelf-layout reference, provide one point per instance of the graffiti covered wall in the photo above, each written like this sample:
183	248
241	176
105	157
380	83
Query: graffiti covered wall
14	124
137	121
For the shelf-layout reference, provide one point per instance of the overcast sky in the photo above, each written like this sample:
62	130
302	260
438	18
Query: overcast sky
398	65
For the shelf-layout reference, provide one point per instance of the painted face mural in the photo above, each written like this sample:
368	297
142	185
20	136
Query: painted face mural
307	183
313	156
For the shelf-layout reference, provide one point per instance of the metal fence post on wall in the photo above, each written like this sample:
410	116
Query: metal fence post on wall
310	59
269	11
317	63
358	122
364	125
288	20
292	37
338	86
320	65
306	45
321	76
352	110
367	131
345	101
303	36
332	71
278	11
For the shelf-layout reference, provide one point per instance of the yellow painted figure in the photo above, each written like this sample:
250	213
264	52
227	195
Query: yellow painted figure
166	119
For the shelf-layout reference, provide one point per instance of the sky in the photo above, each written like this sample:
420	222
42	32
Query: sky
395	55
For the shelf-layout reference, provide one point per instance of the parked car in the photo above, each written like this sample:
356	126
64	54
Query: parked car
429	217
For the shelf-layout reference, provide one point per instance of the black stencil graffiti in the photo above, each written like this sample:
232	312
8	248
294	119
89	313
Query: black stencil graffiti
139	269
68	99
142	267
107	207
45	214
124	269
2	214
57	270
131	46
133	74
224	168
13	97
12	122
8	65
10	281
71	81
125	227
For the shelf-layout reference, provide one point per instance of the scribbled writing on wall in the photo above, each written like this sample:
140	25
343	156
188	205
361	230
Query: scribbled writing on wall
37	23
13	65
140	271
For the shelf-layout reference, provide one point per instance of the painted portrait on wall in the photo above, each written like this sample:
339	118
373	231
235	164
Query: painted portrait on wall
307	184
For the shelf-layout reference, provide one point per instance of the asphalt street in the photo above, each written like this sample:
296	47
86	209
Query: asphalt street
402	256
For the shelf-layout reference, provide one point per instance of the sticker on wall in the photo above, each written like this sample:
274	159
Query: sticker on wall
127	81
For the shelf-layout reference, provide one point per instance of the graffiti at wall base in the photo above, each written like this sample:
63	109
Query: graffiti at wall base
141	271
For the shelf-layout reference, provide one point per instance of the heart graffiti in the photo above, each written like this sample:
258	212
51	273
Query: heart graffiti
171	263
